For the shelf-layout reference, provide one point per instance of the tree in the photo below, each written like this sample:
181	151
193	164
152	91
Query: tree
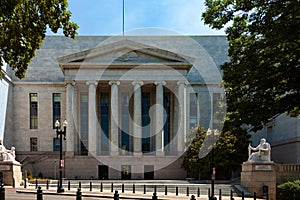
231	149
262	76
23	25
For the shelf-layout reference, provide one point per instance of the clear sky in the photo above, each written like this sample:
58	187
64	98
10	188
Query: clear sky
104	17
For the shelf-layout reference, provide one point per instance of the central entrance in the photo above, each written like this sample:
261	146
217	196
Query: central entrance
103	172
126	172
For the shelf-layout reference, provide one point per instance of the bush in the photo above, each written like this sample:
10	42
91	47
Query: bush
289	190
40	175
28	173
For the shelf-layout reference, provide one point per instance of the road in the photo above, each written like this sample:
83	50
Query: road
11	194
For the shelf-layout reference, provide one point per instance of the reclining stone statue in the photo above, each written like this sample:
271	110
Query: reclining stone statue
5	154
262	153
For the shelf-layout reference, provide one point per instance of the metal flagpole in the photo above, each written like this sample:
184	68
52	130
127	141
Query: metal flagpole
123	17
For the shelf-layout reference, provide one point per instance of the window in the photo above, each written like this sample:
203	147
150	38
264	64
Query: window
83	124
33	110
33	144
146	140
126	144
104	121
167	123
193	110
56	144
216	110
56	108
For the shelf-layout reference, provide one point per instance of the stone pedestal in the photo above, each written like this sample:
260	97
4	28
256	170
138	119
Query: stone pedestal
255	175
11	172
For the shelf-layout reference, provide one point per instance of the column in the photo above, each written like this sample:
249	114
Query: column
70	135
114	117
182	116
137	117
92	117
159	117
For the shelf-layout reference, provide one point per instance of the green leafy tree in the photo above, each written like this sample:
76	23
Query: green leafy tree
230	152
262	76
23	25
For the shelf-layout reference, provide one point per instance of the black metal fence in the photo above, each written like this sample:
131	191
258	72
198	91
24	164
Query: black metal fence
154	190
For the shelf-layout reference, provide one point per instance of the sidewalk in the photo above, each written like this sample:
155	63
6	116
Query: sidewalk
125	195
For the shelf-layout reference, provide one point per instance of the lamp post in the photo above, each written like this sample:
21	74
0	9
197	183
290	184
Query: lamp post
60	132
213	133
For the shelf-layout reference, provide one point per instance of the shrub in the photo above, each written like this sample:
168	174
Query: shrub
289	190
40	175
28	173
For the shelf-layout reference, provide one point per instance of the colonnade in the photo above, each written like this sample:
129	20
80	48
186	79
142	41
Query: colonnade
137	117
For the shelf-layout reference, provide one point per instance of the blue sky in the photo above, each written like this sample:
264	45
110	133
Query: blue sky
104	17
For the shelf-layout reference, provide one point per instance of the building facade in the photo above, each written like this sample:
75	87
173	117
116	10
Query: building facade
129	103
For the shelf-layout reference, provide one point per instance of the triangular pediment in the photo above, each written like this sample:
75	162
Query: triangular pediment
125	52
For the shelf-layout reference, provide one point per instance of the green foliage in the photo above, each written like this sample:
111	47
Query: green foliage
28	173
289	190
262	76
40	175
230	152
23	25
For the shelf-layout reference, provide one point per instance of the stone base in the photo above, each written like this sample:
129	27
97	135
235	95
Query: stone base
11	172
255	175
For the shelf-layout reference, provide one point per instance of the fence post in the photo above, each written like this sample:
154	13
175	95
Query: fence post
14	183
187	191
176	191
155	189
47	184
193	197
69	185
101	187
36	183
166	190
133	188
280	196
231	195
116	195
122	187
254	195
144	189
79	184
39	193
198	192
2	191
78	194
154	197
91	186
208	193
112	187
243	195
220	194
25	183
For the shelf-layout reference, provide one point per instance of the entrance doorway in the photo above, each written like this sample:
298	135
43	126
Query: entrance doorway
126	172
103	172
148	172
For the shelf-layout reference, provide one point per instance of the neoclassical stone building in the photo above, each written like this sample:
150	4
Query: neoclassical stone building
129	103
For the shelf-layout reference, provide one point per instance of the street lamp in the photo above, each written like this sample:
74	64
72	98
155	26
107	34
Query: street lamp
60	132
213	133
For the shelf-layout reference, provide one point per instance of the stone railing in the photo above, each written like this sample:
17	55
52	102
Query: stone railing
288	168
287	172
